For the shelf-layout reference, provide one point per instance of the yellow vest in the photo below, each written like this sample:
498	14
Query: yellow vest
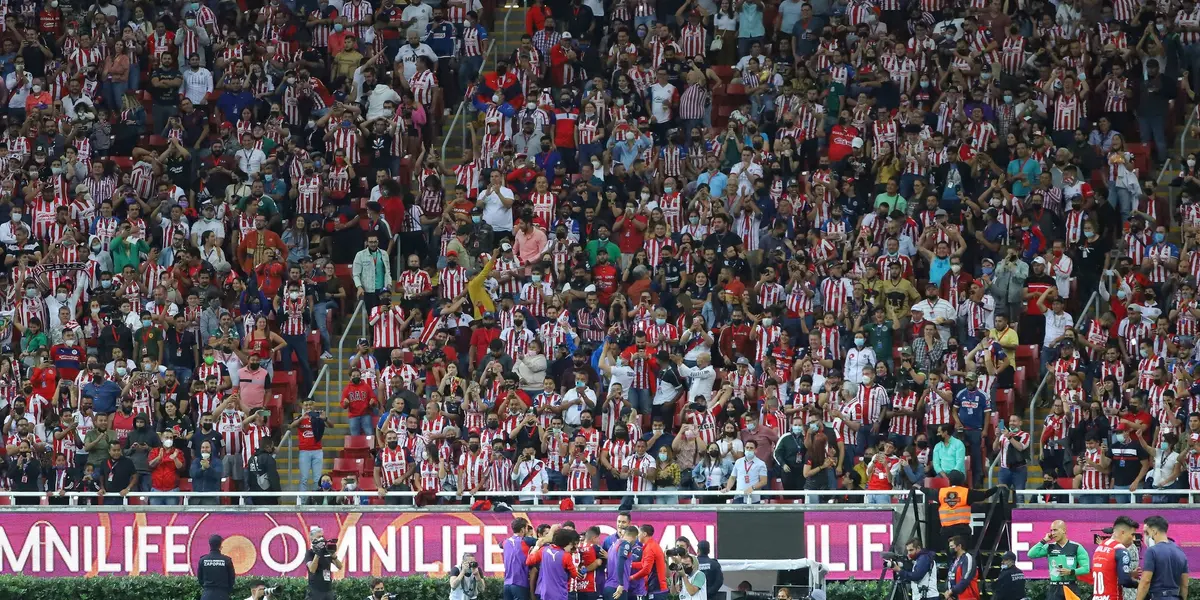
952	506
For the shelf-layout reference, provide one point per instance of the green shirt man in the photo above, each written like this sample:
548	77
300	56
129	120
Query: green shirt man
1067	560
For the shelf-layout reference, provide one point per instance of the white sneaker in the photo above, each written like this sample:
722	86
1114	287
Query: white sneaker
326	355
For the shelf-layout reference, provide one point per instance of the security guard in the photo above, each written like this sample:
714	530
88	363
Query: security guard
1067	561
215	572
954	506
1165	570
1010	582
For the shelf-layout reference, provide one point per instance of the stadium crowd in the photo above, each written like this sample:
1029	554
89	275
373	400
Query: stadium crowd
735	246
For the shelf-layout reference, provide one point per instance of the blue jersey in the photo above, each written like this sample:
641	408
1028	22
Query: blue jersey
971	404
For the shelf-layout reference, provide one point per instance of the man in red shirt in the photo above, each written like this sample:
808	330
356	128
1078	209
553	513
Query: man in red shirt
359	399
482	337
630	229
604	275
165	462
653	566
310	427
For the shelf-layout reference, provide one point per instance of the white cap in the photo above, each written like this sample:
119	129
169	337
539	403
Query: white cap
505	247
856	143
566	35
1039	260
591	288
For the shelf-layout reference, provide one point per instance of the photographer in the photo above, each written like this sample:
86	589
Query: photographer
320	557
466	580
259	591
378	591
687	581
922	575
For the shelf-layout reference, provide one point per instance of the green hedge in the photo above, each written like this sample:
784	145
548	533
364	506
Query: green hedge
158	587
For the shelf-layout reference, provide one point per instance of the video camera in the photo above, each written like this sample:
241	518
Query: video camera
1100	536
325	546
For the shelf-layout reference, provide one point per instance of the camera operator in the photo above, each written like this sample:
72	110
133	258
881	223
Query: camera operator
922	576
259	591
378	591
215	572
687	581
320	557
466	580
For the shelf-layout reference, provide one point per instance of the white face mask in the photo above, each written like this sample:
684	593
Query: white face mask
294	295
167	443
205	455
955	268
61	297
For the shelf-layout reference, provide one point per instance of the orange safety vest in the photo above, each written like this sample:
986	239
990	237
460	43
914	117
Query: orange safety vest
952	506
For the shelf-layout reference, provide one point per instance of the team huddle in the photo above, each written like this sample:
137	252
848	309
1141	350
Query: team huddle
557	562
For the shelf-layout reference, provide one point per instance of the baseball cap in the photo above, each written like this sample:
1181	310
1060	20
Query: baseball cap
566	35
743	361
856	143
1039	260
505	247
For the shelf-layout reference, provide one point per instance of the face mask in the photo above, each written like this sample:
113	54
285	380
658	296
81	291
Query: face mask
668	189
208	360
767	322
988	270
379	594
16	217
860	342
392	444
1089	234
294	295
254	366
356	380
1159	237
1164	446
924	84
206	455
473	447
662	457
1008	99
168	443
751	426
61	296
31	293
1120	437
630	136
694	220
1145	353
146	323
797	429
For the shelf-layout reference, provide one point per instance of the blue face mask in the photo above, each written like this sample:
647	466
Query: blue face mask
988	270
325	485
267	177
1089	234
146	322
660	321
1159	237
476	219
106	283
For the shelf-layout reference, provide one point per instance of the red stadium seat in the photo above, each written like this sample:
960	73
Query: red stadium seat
347	466
358	446
274	403
284	384
158	142
1005	403
1027	356
1019	382
123	163
185	484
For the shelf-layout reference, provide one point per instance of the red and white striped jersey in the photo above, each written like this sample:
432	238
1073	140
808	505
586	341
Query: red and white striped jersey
544	204
229	425
387	326
767	337
981	133
740	383
292	317
516	341
308	199
542	403
422	85
1093	477
831	339
639	467
414	283
1145	371
81	59
452	282
770	294
473	471
1193	470
937	409
558	451
1068	111
904	425
1186	23
252	437
393	464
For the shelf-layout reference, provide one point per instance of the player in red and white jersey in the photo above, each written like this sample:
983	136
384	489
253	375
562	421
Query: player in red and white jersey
1113	569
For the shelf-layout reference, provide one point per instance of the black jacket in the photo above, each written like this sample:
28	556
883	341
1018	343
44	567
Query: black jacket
713	577
216	575
262	475
1009	585
789	451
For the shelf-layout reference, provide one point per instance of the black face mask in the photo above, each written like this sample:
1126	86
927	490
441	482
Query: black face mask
392	444
493	425
473	447
585	422
206	426
397	362
621	435
356	380
412	430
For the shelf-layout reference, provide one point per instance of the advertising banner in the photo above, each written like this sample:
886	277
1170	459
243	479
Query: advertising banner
1030	525
848	541
77	544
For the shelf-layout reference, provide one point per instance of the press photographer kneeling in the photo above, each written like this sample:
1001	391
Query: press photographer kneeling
321	557
919	571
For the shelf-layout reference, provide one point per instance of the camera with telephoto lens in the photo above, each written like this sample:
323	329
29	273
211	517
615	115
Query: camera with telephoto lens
891	559
675	553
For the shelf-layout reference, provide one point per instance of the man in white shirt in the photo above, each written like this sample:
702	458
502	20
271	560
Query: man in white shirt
746	173
416	17
1061	268
749	475
662	98
497	201
578	398
197	82
937	310
8	230
408	53
18	84
693	584
702	376
530	474
1057	322
249	158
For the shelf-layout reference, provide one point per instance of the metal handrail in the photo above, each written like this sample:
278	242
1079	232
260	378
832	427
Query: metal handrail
323	374
286	442
1071	495
463	105
467	499
1093	304
359	311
